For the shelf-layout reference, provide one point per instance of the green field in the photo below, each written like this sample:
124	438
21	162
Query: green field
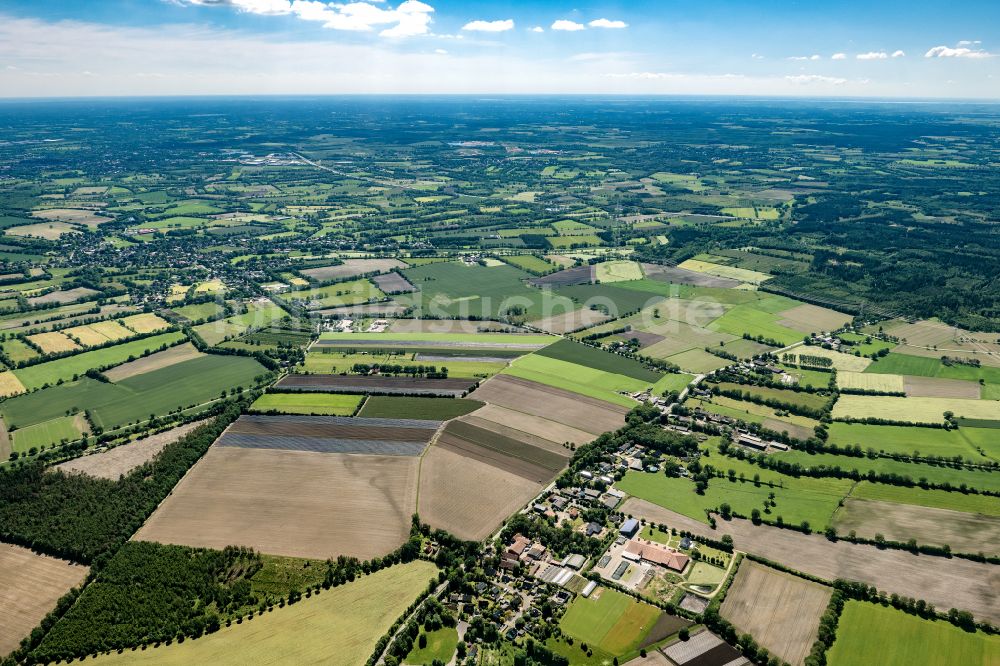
432	409
974	478
798	499
180	385
454	289
440	645
258	315
615	299
328	404
871	634
329	361
338	627
529	262
46	433
904	364
36	376
759	318
577	378
598	359
786	397
199	311
613	623
907	440
937	499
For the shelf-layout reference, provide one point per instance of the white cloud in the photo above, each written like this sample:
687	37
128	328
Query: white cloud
967	42
810	79
899	54
567	26
440	52
873	55
489	26
409	18
838	56
814	56
757	56
605	23
537	28
959	52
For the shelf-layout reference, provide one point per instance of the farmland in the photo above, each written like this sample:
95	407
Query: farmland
332	404
30	584
362	504
781	610
340	626
867	633
399	315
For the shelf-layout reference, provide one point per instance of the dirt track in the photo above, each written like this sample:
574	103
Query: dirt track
946	583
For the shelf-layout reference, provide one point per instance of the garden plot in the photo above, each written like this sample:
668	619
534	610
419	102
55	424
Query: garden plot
779	610
294	503
378	384
352	268
30	585
521	395
330	434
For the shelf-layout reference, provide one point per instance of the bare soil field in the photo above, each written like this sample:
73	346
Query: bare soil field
581	412
571	321
812	318
467	497
63	296
964	532
797	431
932	387
944	582
46	230
511	456
293	503
352	267
684	276
78	215
378	384
30	585
113	463
167	357
5	444
393	283
537	426
565	277
780	610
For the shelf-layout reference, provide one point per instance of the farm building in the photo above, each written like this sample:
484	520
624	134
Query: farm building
629	527
641	550
588	590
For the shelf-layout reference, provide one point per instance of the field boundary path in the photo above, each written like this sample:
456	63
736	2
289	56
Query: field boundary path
438	591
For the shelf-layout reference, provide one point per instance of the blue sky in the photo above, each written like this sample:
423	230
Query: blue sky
878	48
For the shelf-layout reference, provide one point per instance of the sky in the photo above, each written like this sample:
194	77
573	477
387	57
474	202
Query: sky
790	48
